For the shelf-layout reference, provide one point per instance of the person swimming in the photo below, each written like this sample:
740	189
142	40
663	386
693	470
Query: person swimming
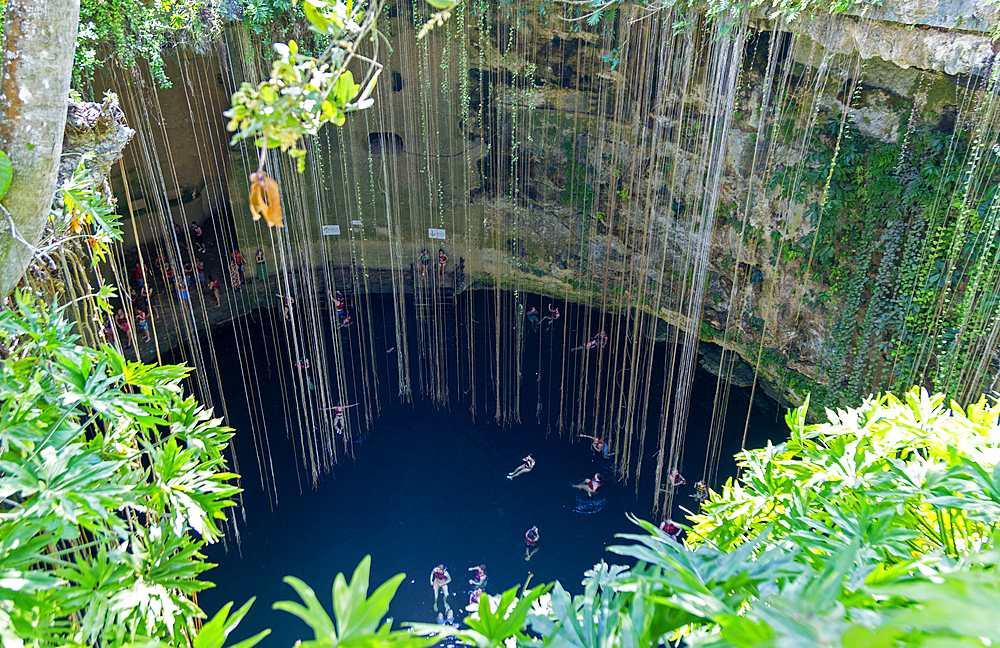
339	422
474	597
531	538
480	577
303	366
591	485
552	316
286	305
533	318
701	493
439	581
599	445
529	463
673	531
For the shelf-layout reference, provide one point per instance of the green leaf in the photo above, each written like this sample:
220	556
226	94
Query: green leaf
744	633
313	613
862	637
213	633
317	19
6	174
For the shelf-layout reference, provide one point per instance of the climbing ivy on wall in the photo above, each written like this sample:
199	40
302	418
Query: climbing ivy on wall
579	193
137	31
906	244
788	10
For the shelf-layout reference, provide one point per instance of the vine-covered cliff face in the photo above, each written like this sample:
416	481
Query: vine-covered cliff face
845	231
817	196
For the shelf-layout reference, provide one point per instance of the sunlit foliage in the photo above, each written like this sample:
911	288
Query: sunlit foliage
111	481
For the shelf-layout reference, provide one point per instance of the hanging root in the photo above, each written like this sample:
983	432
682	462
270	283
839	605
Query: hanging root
265	198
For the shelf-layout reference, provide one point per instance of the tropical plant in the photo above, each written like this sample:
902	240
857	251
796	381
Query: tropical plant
766	594
305	92
913	476
877	529
111	481
358	616
137	31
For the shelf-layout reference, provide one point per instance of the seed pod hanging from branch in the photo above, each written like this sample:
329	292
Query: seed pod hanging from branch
265	199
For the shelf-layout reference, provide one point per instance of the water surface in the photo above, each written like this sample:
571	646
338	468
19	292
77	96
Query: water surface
428	485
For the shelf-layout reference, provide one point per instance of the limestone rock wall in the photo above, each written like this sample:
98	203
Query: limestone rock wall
556	160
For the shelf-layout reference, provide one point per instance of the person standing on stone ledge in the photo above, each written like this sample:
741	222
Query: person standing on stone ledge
261	268
213	285
235	276
140	319
442	261
196	235
425	261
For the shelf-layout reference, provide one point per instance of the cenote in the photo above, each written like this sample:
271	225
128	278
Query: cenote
428	484
402	245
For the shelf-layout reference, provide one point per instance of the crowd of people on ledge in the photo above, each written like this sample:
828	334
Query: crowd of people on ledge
178	280
140	298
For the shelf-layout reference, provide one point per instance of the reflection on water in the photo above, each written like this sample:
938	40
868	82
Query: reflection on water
586	505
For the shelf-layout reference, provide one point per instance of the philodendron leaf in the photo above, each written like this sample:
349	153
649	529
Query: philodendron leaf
213	633
312	613
6	174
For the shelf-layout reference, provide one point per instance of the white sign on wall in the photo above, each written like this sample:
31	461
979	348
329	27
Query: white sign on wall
435	233
331	230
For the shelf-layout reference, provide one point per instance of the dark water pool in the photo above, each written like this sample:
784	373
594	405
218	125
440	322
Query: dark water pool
428	485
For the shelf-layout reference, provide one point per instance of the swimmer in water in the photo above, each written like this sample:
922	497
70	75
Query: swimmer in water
531	539
439	581
303	366
474	597
479	578
591	485
599	445
529	463
673	531
339	423
533	318
700	492
552	316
